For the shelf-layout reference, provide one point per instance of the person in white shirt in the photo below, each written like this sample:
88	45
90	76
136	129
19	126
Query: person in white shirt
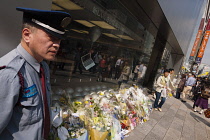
143	71
118	68
136	71
161	90
171	79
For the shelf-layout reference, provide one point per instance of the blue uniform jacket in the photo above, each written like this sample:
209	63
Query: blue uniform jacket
23	119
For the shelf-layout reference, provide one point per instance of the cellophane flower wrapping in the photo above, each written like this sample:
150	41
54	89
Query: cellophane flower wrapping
103	115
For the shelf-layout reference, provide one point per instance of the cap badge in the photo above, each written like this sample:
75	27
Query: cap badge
65	22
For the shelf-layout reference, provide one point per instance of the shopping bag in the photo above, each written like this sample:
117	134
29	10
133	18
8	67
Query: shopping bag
207	113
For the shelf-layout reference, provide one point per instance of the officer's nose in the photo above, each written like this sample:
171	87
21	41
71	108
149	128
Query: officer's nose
56	44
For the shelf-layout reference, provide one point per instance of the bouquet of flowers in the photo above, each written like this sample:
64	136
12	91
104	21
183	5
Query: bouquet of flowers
100	115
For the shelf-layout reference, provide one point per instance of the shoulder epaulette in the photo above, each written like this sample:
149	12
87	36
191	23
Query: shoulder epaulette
13	67
2	67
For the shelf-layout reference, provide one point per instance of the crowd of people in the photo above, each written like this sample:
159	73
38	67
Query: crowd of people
107	66
187	86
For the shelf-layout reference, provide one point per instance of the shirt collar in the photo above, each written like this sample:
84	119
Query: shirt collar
30	59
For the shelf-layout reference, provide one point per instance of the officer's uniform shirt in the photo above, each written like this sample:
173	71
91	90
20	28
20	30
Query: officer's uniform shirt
22	121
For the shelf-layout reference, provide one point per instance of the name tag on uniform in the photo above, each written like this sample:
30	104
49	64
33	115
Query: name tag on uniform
30	91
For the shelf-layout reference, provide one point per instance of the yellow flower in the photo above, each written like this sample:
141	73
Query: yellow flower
86	102
78	102
62	100
101	93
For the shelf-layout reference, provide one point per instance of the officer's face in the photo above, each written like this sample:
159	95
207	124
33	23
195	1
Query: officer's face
42	45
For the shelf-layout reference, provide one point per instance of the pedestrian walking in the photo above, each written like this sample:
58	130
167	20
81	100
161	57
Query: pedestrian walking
77	60
141	73
180	86
202	101
188	86
136	70
102	69
124	77
25	77
161	88
197	90
118	68
171	81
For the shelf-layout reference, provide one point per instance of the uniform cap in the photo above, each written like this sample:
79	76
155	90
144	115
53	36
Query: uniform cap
52	22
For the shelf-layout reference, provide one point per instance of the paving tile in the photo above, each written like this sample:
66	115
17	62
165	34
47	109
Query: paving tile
139	135
156	116
200	131
152	122
181	117
166	106
159	131
170	112
152	136
144	129
185	138
135	135
177	124
208	132
200	118
183	107
165	122
181	112
172	134
175	107
188	131
132	136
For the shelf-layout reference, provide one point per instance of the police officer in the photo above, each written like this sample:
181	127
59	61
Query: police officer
24	76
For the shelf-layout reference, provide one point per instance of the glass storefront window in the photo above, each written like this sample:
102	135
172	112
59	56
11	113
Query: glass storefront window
102	40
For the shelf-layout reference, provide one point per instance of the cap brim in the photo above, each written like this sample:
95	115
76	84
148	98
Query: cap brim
55	34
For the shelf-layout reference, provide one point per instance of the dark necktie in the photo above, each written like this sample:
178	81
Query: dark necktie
46	107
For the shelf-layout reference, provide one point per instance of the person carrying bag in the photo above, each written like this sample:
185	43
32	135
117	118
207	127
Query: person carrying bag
162	89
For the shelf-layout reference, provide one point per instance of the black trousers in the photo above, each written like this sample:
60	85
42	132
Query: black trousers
77	65
178	93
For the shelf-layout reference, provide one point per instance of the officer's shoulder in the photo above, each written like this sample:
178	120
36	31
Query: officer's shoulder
11	63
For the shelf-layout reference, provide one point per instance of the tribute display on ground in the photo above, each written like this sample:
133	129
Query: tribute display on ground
102	115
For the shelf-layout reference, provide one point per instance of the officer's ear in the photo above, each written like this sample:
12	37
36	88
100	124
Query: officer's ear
26	34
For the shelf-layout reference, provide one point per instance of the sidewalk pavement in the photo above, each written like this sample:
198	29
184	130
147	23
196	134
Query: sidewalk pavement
177	121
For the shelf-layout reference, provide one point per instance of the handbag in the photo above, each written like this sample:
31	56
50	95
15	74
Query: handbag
207	113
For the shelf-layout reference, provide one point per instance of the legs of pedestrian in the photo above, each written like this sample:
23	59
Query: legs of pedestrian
201	111
163	99
158	94
183	96
194	108
186	91
154	96
178	93
117	69
75	67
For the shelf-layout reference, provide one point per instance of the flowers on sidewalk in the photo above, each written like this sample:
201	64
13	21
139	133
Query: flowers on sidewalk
103	115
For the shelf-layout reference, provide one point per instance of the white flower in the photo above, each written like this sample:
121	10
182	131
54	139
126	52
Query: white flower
94	127
73	134
87	97
56	117
63	133
109	124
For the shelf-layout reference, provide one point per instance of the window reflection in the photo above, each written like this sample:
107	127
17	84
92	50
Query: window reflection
103	41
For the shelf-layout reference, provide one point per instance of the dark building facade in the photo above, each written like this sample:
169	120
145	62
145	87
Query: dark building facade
154	32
